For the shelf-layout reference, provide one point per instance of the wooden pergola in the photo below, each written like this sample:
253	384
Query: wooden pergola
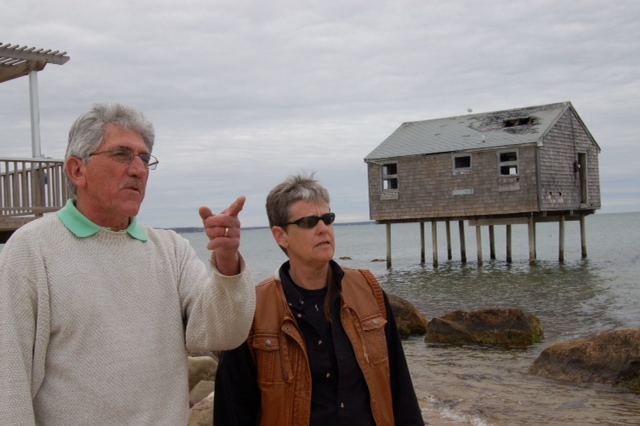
29	187
18	61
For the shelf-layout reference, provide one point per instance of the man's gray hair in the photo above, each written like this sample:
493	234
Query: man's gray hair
87	132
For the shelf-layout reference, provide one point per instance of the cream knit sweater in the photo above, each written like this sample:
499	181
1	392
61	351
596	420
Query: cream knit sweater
95	331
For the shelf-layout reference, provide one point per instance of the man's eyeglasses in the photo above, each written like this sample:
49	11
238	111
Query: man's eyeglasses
125	155
311	221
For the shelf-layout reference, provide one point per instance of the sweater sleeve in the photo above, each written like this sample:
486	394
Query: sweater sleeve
22	327
218	308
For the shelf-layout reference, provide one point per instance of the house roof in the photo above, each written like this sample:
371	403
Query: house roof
471	132
18	61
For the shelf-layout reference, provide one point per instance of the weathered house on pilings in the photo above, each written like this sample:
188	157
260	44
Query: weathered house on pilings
519	166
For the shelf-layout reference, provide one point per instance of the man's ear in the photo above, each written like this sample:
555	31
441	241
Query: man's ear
75	168
280	236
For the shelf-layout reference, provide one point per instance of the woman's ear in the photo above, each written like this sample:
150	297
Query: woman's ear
281	237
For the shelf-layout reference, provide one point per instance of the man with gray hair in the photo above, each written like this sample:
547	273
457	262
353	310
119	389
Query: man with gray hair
97	312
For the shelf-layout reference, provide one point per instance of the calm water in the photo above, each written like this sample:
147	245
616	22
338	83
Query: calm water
480	386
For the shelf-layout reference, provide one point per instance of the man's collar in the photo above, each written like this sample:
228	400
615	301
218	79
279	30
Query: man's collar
82	227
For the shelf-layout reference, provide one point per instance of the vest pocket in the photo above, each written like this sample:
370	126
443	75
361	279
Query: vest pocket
375	339
266	349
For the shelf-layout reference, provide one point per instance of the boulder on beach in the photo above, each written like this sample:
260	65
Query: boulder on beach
201	391
611	358
201	368
507	327
202	374
409	320
202	412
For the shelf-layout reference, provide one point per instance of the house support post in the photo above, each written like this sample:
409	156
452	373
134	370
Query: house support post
509	258
422	248
434	242
583	235
448	229
492	243
535	241
532	241
388	245
479	243
463	248
561	241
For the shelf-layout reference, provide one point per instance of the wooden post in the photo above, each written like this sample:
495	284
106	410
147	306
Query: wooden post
583	235
479	243
532	241
434	242
509	258
388	245
37	189
492	243
463	248
535	241
422	249
561	241
448	229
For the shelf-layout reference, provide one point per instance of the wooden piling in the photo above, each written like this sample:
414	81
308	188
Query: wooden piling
492	243
561	239
388	245
531	221
479	244
422	245
434	242
448	229
532	241
583	235
463	248
509	258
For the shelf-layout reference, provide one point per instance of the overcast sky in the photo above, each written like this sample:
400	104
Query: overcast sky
245	93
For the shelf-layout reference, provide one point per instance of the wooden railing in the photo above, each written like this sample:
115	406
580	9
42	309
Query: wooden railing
29	188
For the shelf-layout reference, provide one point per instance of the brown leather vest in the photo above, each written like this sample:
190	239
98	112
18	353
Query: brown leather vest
280	354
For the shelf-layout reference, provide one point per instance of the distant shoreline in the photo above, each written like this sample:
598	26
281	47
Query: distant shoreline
191	229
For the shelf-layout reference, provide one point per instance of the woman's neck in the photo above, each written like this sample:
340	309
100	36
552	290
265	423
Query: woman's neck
310	278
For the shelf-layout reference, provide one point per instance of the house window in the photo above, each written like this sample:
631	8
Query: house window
508	163
461	163
390	177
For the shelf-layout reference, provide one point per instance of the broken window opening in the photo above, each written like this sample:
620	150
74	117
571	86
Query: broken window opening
509	170
508	156
508	163
390	177
461	163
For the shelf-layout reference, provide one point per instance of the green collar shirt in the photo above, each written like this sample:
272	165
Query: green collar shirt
82	227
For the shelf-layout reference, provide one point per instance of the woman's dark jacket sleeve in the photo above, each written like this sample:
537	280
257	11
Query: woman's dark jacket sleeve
237	397
406	410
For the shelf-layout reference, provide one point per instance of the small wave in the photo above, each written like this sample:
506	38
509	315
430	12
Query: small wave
446	411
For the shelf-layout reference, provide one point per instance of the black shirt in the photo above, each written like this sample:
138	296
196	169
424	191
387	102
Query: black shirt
339	390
